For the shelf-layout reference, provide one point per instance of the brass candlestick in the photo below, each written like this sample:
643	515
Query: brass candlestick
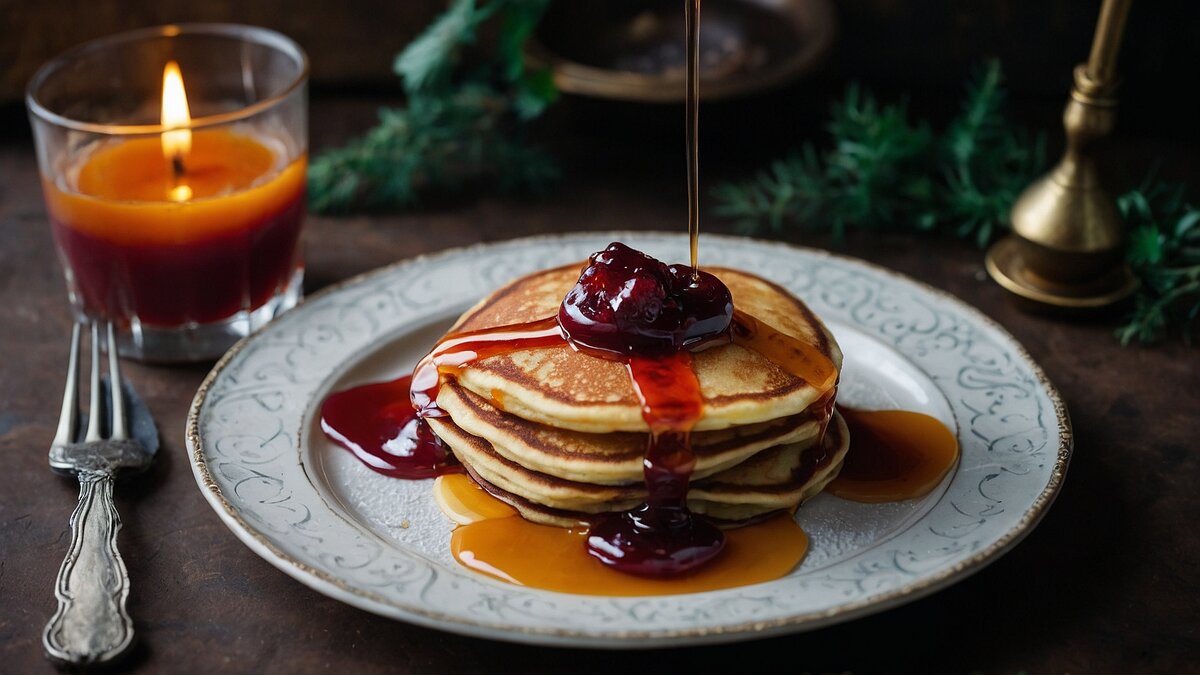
1068	242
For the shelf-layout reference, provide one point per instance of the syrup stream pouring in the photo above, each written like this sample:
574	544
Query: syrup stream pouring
692	25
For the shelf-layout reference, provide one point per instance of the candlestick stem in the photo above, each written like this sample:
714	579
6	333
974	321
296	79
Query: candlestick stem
1068	240
1102	62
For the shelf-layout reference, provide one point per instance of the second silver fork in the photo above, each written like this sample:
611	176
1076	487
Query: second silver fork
92	625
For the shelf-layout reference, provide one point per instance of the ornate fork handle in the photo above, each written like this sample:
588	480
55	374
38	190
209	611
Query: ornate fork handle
91	624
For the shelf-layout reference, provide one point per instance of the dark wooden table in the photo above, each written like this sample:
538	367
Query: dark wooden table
1107	582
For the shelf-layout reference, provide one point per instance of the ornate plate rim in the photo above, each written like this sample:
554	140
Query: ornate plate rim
334	587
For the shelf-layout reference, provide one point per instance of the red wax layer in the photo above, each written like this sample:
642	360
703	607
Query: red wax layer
202	281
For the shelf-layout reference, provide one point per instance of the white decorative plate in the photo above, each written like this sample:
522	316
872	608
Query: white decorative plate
381	544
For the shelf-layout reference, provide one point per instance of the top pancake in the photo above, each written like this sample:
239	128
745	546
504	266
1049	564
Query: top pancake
569	389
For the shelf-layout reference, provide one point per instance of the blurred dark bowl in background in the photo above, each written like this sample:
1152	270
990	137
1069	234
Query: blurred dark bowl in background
634	50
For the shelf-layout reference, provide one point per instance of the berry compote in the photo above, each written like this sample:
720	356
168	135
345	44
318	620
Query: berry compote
629	303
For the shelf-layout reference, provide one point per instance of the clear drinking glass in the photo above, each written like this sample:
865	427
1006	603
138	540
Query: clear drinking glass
183	227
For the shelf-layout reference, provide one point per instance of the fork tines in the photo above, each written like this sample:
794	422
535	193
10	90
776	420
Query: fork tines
68	419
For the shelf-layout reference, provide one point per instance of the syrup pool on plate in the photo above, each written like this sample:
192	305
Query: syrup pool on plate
894	455
505	546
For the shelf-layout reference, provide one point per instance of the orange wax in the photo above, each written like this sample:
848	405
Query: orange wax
134	251
893	455
497	542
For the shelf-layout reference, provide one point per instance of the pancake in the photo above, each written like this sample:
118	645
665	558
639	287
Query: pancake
780	478
566	389
774	479
607	459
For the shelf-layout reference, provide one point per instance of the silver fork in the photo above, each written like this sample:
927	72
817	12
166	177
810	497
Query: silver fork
91	625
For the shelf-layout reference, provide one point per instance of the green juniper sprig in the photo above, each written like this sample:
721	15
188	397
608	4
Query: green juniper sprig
983	164
884	171
867	179
460	122
1164	252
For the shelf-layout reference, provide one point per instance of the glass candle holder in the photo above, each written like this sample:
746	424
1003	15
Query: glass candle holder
173	166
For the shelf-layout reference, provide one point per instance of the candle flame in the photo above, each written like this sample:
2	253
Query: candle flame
177	142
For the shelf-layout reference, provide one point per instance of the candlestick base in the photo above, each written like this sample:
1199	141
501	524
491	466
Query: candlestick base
1008	267
197	342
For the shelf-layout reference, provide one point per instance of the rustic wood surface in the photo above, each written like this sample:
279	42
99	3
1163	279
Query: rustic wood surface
1107	582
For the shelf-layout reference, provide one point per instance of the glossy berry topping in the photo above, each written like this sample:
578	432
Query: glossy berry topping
655	541
379	424
629	303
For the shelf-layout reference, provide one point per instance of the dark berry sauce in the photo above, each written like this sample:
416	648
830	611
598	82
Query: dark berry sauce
383	424
380	426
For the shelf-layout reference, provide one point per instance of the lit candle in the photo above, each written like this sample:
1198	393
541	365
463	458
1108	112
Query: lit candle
176	143
192	225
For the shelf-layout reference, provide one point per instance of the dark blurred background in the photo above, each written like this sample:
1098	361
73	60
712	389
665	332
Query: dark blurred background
922	48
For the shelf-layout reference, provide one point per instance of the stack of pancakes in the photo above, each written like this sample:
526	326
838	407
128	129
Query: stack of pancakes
559	433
